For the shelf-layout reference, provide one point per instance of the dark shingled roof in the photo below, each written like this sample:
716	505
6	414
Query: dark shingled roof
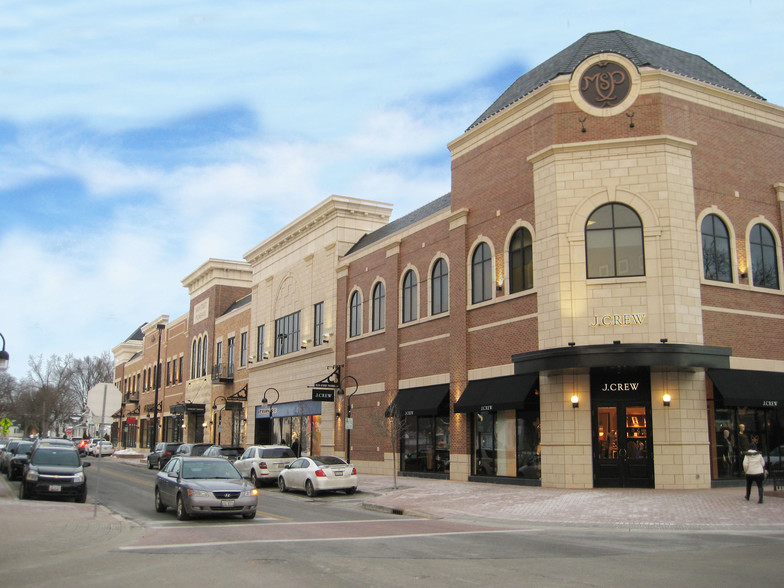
639	51
239	303
411	218
137	334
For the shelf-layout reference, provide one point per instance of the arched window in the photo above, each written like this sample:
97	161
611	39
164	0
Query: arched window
764	259
204	356
613	242
481	274
716	258
355	315
439	283
409	296
194	358
379	307
521	261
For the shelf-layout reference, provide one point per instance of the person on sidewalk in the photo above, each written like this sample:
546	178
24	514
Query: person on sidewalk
754	466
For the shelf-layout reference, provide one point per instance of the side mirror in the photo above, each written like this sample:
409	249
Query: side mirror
172	474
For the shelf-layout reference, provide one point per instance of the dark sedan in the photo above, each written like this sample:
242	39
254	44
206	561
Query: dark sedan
204	486
160	456
20	455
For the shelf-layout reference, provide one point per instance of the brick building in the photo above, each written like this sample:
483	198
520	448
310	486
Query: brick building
590	303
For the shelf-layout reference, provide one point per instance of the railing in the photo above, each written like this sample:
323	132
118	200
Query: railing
222	372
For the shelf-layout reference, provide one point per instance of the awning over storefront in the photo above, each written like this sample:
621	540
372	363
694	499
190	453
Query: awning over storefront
423	401
749	387
503	393
624	355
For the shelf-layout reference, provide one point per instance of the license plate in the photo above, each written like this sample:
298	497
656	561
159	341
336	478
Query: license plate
339	473
54	488
227	503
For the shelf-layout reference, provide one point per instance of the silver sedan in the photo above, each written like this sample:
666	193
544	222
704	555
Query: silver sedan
204	486
317	474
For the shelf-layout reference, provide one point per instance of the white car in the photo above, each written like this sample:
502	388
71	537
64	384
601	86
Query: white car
102	448
90	447
263	463
317	474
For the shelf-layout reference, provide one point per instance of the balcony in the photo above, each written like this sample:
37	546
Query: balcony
222	373
131	397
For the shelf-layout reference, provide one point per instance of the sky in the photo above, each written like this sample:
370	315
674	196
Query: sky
140	138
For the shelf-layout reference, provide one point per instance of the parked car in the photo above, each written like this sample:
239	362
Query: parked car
53	441
317	474
81	445
204	486
9	451
226	452
103	448
19	458
54	471
160	456
263	463
192	449
91	445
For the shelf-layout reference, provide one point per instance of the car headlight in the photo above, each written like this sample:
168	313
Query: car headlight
251	492
32	476
79	478
199	493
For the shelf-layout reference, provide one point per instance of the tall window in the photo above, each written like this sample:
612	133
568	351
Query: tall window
439	284
194	357
409	296
521	261
259	342
287	334
204	357
244	348
355	315
716	259
379	307
230	350
764	259
318	323
613	242
481	274
219	357
179	371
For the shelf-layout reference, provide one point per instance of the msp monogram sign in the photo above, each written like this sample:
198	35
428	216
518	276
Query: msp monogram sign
605	84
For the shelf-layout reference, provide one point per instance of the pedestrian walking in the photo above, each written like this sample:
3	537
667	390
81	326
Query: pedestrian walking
754	466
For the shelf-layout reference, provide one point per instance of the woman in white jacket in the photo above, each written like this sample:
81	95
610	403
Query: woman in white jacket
754	466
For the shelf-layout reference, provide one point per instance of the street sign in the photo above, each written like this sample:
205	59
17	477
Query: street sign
349	424
5	425
323	395
104	399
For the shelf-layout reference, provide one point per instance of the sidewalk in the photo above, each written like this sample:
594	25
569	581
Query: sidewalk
720	508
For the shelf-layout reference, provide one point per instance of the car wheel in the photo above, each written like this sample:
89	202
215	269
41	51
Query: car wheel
23	493
159	505
182	514
309	489
253	479
282	484
249	515
82	497
351	490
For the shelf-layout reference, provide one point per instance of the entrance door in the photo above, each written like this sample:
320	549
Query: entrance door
622	445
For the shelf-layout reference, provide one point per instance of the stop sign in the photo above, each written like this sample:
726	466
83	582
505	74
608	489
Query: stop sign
104	399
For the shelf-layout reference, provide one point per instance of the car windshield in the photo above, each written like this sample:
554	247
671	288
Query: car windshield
24	448
327	460
210	470
278	452
231	451
56	457
199	449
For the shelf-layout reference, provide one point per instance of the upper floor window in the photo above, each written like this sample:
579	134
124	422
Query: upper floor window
716	257
439	284
194	357
614	243
244	348
764	257
410	310
259	342
355	315
379	307
318	323
204	357
219	356
287	334
521	261
481	274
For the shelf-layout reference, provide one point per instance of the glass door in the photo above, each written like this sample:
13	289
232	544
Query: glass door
622	452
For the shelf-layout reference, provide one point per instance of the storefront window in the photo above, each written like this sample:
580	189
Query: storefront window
737	428
425	444
484	425
528	445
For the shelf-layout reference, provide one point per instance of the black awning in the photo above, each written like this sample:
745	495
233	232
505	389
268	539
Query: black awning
496	393
749	387
424	401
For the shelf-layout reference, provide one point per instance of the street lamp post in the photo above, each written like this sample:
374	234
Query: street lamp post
160	327
218	418
264	403
4	357
349	422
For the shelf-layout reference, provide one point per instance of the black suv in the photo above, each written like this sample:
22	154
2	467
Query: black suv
161	455
54	471
192	449
19	457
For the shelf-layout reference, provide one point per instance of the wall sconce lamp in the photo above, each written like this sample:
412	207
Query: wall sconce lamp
582	122
631	120
265	355
304	344
663	340
204	425
575	401
570	343
325	338
337	413
666	399
744	274
499	284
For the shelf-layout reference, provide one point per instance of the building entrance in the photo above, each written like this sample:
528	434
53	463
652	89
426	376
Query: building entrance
621	428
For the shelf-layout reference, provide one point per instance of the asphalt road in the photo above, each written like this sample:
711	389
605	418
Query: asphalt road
332	541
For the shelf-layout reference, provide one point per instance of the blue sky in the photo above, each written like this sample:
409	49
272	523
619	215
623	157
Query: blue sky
138	139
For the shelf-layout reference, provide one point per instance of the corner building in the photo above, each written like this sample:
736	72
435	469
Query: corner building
598	301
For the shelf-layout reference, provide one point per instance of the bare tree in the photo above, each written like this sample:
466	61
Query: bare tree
8	386
391	425
89	371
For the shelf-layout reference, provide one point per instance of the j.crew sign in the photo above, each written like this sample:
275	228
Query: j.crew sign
618	320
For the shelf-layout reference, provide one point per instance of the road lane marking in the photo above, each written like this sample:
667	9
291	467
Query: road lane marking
169	546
